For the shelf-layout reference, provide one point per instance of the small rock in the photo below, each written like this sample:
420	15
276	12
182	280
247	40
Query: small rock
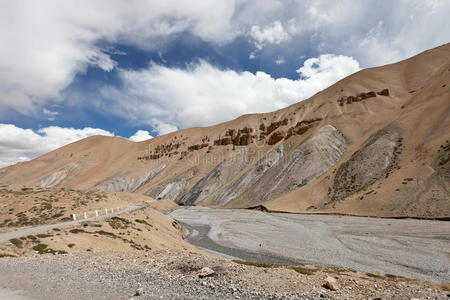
204	283
139	292
212	286
205	272
331	284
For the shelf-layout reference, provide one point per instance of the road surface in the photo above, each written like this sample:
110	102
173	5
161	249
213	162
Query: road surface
6	236
412	248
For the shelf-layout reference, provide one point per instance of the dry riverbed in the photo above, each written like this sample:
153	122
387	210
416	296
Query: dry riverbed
417	249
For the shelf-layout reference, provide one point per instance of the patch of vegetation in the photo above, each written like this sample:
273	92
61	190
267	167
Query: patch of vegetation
76	230
337	270
374	275
56	229
32	237
299	269
106	233
143	222
70	245
40	248
255	264
16	242
6	255
303	270
43	249
43	235
119	223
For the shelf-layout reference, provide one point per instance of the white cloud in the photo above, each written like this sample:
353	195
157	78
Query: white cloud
51	115
274	33
203	95
279	60
18	144
49	112
162	127
140	135
46	43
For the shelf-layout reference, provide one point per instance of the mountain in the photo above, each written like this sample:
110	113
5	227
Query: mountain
375	144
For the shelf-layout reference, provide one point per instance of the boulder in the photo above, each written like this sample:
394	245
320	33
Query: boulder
331	284
205	272
139	292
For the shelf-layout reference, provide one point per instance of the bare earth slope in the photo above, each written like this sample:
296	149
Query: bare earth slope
375	143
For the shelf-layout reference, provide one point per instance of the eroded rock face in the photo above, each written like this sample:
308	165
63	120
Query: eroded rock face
173	187
304	164
250	177
373	160
219	176
173	190
125	184
59	176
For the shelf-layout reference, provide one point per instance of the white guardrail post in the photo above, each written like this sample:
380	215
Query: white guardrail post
98	212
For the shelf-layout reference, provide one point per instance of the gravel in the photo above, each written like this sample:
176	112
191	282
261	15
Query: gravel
411	248
171	274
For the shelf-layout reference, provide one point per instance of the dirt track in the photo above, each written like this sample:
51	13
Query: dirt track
412	248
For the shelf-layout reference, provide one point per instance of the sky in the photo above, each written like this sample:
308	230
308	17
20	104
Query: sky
139	69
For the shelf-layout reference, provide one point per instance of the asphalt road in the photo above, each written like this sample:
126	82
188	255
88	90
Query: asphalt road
412	248
6	236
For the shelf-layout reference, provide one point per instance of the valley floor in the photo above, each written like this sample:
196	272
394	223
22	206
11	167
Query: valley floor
417	249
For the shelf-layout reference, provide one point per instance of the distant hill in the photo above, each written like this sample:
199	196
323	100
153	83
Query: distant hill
375	143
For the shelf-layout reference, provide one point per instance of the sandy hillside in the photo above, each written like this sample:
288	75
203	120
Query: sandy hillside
375	143
146	228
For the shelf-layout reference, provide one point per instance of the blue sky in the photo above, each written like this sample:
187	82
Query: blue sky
138	69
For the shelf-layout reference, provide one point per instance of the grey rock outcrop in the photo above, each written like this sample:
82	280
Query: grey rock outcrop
125	184
376	157
304	164
249	178
219	176
174	187
59	176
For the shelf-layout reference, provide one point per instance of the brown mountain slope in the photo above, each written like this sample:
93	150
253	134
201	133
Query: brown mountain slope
374	143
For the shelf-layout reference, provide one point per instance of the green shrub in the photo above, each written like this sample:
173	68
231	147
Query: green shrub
16	242
43	235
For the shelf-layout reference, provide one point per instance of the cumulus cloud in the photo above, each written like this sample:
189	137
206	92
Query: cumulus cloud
203	95
140	135
46	43
274	33
19	144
